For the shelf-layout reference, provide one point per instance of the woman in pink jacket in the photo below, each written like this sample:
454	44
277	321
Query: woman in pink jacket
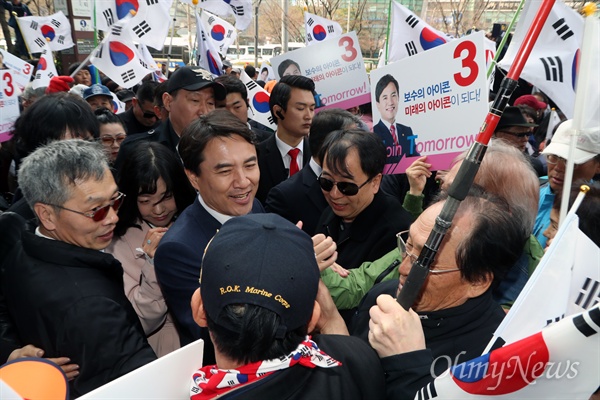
156	191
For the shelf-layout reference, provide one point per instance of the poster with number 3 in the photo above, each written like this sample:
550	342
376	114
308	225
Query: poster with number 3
436	102
9	104
335	65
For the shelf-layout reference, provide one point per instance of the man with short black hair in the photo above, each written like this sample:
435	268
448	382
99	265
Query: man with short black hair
140	117
257	298
292	105
219	158
300	198
236	102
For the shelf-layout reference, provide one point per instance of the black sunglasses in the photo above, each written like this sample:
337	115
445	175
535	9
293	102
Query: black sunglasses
345	188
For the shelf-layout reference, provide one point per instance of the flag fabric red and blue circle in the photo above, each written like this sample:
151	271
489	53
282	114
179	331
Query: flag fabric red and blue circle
42	64
319	33
48	32
120	54
115	107
124	7
260	101
430	39
217	32
212	64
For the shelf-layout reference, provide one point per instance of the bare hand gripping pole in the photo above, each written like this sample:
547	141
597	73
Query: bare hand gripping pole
466	174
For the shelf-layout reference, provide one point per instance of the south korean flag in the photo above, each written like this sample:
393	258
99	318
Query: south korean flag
258	102
319	29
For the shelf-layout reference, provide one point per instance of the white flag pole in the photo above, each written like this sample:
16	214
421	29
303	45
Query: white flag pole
589	46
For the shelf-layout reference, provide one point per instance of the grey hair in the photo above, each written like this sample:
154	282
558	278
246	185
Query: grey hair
506	172
30	92
49	174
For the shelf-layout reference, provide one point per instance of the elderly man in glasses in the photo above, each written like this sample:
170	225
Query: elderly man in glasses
62	292
586	165
361	219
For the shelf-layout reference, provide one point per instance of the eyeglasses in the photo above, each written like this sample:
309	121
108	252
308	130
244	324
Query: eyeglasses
98	213
345	188
553	159
110	140
517	134
412	258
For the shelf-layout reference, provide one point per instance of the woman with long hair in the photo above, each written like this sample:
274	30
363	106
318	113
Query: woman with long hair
156	191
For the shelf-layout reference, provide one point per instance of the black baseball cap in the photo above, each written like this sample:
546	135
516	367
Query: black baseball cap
264	260
194	78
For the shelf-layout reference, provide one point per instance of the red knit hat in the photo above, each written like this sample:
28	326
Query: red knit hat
59	84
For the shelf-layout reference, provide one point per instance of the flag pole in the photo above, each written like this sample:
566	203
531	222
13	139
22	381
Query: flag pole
387	36
505	38
466	174
172	34
583	93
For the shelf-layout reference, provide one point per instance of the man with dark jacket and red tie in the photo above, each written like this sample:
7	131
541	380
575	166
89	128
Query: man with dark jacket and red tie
398	139
292	105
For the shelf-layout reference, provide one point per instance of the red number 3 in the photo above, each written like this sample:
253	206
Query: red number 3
27	69
467	62
9	88
348	44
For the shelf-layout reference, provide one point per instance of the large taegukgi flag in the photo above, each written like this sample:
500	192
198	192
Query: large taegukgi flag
45	69
258	102
208	55
410	35
221	31
319	28
149	18
552	64
560	362
118	58
241	9
54	30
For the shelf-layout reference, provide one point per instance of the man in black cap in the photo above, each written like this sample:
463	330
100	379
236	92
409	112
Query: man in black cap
191	92
258	294
514	129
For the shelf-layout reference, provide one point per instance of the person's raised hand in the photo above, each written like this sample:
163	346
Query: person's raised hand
393	330
152	240
417	174
325	251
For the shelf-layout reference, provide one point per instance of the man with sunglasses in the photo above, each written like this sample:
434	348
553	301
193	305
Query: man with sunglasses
586	161
63	293
514	129
141	117
361	219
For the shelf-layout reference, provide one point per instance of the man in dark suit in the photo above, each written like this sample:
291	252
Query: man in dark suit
300	198
292	105
398	139
140	118
219	158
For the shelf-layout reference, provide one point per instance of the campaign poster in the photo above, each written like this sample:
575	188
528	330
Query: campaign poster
431	104
9	104
337	68
21	70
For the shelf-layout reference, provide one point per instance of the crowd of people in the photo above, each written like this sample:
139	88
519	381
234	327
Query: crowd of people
129	236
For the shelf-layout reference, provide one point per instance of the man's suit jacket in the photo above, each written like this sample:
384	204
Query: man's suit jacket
298	198
395	153
272	170
177	264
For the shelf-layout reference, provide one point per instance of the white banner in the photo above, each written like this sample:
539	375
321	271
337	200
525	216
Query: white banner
337	68
21	70
9	104
438	111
